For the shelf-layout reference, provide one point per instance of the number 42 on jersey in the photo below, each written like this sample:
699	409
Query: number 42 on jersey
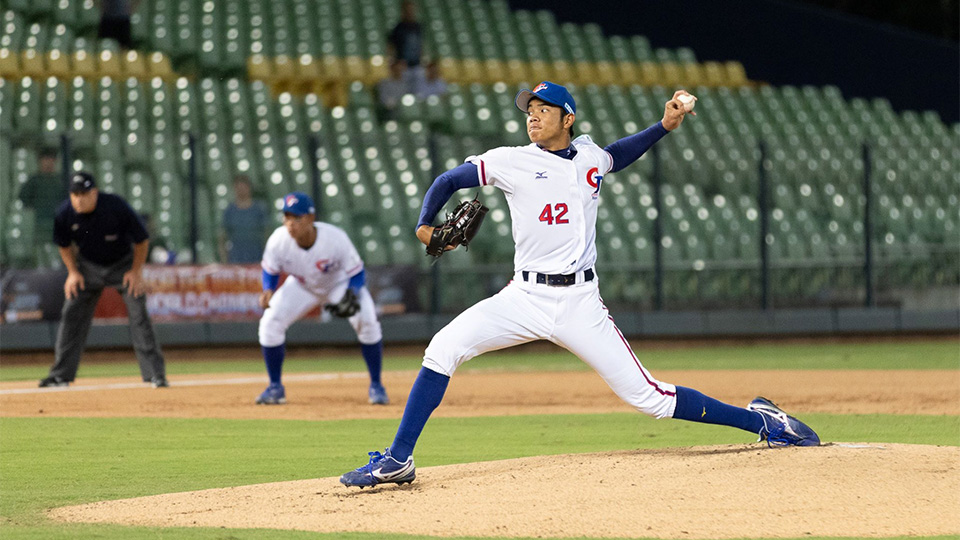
548	217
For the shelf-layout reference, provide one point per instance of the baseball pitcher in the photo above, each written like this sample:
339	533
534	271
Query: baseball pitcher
552	188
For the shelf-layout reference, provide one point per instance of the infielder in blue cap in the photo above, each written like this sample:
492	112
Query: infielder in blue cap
323	268
552	187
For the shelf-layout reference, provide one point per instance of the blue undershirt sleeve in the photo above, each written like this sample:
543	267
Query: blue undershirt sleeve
463	176
357	281
630	148
270	281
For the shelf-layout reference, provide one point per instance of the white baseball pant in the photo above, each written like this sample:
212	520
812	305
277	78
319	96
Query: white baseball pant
292	301
573	317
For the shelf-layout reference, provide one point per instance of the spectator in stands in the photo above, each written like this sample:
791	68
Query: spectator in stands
245	226
405	41
115	21
103	244
391	89
43	193
431	84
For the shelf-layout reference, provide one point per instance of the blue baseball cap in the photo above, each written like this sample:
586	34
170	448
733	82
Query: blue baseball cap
551	93
298	203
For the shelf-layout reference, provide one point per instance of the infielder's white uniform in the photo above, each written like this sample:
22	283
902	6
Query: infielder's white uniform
317	276
553	204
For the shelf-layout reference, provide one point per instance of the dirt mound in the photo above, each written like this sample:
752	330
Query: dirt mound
714	492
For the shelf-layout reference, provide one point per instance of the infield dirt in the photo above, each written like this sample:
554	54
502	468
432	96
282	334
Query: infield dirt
344	396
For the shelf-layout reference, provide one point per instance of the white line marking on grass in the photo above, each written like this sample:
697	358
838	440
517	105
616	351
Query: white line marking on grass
306	377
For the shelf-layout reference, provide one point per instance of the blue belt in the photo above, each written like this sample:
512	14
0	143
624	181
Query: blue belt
559	280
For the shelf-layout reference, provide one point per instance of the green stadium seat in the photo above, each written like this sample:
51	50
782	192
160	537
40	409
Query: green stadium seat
140	192
110	177
26	114
186	29
8	185
7	103
21	235
87	16
53	116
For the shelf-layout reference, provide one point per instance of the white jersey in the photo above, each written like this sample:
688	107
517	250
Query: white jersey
326	266
553	202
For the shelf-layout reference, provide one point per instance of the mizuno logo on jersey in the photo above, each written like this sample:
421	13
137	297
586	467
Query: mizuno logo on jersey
541	175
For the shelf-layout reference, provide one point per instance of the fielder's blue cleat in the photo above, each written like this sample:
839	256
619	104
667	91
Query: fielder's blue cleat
273	395
780	429
378	394
382	469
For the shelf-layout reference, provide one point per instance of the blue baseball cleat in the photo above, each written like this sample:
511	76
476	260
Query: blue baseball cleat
273	395
378	394
780	429
382	469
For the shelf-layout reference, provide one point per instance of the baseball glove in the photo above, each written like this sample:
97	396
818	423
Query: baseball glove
459	228
347	307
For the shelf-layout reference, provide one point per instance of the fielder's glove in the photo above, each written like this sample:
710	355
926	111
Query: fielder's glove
459	228
348	306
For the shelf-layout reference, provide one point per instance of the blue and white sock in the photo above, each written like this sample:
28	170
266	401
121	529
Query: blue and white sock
273	358
373	356
696	407
425	396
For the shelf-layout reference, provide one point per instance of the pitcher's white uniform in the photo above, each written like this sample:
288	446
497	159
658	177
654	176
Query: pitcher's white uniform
553	206
317	276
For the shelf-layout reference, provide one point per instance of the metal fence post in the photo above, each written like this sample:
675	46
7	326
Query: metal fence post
192	180
314	148
657	233
870	300
436	290
763	204
65	158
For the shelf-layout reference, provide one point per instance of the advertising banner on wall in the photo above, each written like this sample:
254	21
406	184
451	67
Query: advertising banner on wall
183	293
214	292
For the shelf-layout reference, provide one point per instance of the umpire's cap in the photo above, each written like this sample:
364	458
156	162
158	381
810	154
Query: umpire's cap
549	92
298	203
81	182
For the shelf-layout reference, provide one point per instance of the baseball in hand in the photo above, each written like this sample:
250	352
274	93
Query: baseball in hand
689	101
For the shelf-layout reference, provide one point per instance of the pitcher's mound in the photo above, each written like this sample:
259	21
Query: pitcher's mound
703	492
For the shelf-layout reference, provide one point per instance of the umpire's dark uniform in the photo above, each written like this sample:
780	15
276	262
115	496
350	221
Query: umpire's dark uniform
104	238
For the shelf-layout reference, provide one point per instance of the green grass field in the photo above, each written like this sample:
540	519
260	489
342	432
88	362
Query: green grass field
51	462
940	354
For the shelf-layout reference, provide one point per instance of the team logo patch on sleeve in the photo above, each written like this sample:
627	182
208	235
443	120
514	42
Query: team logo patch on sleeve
595	179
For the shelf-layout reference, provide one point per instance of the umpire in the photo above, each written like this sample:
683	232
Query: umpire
111	248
